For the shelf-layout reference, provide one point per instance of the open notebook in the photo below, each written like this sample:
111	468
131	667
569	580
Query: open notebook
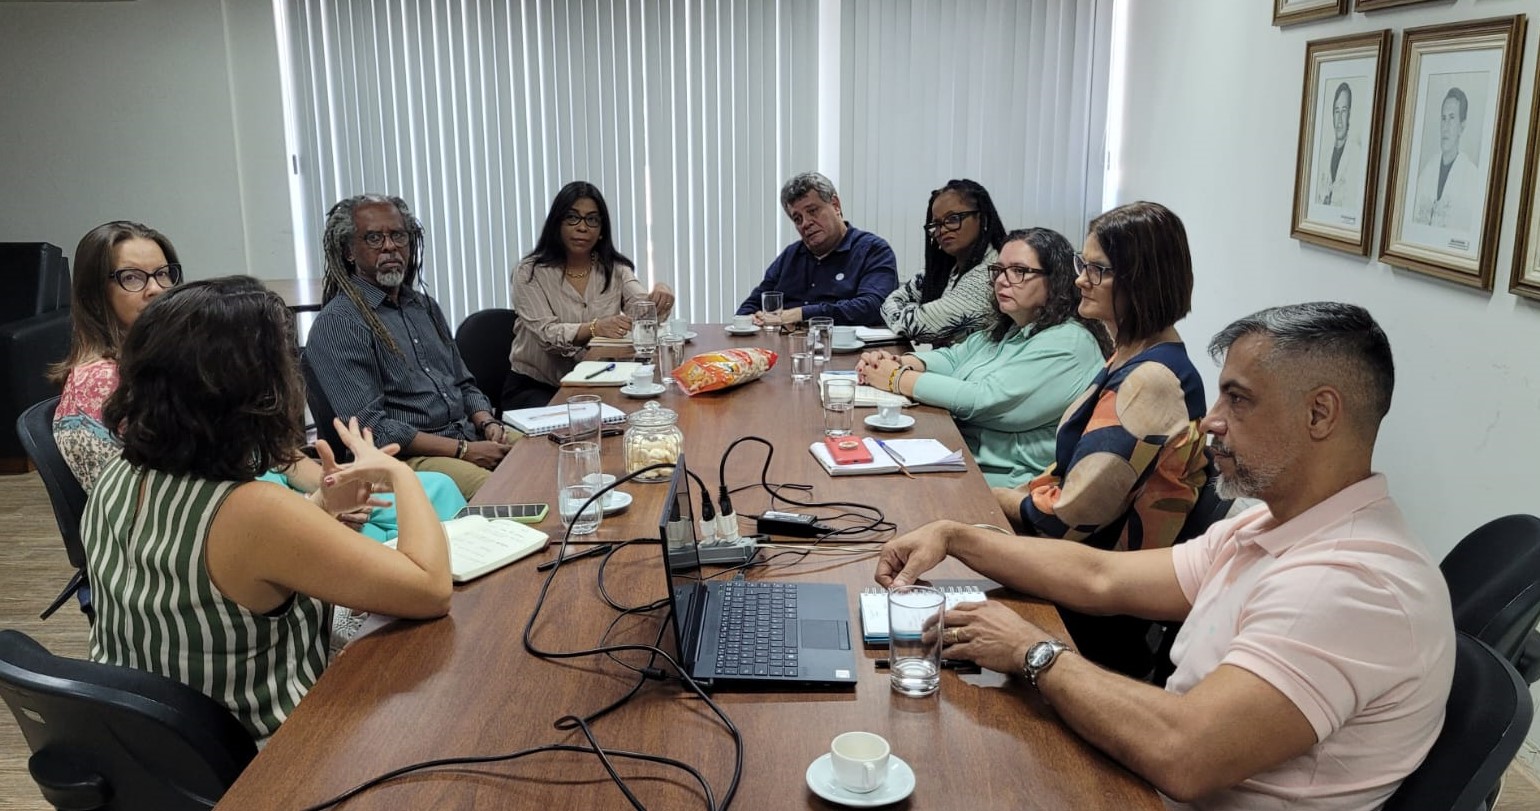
478	545
874	604
543	420
866	396
919	455
601	373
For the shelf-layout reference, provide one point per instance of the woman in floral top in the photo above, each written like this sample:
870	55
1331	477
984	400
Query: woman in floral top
954	296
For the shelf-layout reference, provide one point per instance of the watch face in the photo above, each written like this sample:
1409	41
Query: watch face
1040	655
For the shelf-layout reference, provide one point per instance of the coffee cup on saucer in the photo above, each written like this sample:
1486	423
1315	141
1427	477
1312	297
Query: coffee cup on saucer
844	336
601	481
641	379
859	761
889	413
742	322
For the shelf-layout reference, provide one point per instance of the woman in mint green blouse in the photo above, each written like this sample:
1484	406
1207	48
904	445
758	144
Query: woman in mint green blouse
1008	386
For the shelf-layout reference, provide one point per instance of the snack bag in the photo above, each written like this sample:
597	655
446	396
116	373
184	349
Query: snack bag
723	369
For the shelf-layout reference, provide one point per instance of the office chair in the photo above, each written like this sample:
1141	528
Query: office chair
1494	587
35	429
485	339
1209	509
1486	719
321	412
116	738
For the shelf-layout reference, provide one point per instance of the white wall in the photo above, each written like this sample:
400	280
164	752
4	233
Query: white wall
162	111
1211	129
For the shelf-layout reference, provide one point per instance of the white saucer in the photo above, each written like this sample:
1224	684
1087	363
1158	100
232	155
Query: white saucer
689	336
749	330
842	349
903	423
617	500
642	394
900	784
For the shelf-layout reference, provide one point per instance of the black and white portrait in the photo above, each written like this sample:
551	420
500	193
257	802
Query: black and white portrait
1451	185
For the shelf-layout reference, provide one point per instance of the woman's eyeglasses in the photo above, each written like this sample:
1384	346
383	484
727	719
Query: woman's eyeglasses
1014	274
591	220
134	280
1093	272
950	222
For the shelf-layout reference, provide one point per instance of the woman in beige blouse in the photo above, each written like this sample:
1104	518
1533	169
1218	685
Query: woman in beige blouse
572	287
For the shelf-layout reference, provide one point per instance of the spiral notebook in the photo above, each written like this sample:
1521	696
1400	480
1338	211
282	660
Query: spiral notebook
545	419
874	604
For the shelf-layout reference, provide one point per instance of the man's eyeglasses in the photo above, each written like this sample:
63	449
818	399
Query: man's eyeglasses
134	280
376	239
591	220
1014	274
1092	271
950	222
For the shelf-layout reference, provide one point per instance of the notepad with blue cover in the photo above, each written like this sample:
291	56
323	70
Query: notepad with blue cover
874	605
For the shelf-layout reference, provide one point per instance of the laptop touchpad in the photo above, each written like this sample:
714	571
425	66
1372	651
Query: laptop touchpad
824	634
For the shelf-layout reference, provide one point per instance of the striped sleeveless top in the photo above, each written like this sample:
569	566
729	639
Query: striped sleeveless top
157	610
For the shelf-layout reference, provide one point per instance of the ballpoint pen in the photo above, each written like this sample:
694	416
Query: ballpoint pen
597	549
608	368
896	457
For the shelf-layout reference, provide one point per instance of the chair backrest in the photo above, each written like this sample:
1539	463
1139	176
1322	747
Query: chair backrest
321	411
485	338
35	429
1494	582
1485	721
104	736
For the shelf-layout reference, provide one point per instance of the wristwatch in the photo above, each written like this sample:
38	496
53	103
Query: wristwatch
1040	657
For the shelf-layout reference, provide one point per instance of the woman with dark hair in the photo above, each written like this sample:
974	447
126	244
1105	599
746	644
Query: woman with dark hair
954	296
1007	386
573	287
201	572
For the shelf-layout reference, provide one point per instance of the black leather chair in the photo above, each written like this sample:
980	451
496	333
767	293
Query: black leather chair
35	430
34	328
108	737
484	339
1494	586
1487	717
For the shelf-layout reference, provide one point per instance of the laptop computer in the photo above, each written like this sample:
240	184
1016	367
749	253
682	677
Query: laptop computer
745	632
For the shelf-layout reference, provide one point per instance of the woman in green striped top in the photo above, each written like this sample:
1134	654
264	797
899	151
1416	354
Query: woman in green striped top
204	574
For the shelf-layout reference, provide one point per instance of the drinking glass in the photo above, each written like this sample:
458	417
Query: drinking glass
820	333
914	639
644	327
670	355
839	403
584	418
575	464
770	303
801	358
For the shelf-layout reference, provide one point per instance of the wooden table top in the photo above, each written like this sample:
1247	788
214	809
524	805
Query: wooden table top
465	685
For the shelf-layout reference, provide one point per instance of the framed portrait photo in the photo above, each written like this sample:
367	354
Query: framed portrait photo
1376	5
1449	148
1336	173
1525	280
1289	12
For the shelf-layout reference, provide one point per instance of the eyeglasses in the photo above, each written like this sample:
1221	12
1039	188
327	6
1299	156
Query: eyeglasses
590	220
134	280
1014	274
1092	271
376	239
950	222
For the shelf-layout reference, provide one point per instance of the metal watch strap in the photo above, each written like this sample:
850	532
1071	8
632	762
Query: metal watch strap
1033	673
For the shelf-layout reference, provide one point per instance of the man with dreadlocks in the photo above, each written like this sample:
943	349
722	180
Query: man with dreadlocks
381	350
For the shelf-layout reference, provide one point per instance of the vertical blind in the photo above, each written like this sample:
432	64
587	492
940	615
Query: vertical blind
1010	93
687	114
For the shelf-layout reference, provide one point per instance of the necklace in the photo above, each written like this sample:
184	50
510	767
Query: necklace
582	275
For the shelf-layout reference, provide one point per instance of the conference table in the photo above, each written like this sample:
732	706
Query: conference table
464	685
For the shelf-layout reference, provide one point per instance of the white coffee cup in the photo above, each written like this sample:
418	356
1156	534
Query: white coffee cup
743	322
889	413
601	481
859	761
844	336
641	379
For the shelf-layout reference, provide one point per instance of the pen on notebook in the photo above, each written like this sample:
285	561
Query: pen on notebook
598	549
902	465
608	368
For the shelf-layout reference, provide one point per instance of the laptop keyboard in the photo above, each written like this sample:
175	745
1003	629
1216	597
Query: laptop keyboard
758	634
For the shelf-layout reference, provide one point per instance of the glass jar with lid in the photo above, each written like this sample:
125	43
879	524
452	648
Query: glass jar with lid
653	437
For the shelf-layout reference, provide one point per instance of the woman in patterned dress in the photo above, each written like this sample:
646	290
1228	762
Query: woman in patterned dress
954	296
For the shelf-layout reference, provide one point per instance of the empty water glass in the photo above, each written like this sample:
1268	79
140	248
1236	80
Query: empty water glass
577	481
820	334
644	327
585	417
670	355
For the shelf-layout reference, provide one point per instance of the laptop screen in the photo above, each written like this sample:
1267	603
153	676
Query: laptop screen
681	563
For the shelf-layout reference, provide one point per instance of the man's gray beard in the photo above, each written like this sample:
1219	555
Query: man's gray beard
390	278
1230	488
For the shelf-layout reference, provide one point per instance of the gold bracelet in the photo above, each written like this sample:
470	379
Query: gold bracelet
460	452
893	379
593	329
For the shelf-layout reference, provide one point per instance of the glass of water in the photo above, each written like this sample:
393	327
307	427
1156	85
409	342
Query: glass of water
670	355
577	480
914	639
839	403
820	334
801	358
644	327
770	303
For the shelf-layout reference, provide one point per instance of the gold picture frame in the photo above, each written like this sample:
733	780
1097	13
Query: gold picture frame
1376	5
1524	280
1455	101
1289	12
1336	171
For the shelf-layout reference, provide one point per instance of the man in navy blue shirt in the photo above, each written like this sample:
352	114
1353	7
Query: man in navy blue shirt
835	270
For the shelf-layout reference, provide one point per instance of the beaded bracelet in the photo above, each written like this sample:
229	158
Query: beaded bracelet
894	378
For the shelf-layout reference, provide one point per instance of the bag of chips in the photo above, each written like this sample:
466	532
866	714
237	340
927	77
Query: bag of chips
723	369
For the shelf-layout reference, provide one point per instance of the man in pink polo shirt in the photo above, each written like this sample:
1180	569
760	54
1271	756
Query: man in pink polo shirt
1318	644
